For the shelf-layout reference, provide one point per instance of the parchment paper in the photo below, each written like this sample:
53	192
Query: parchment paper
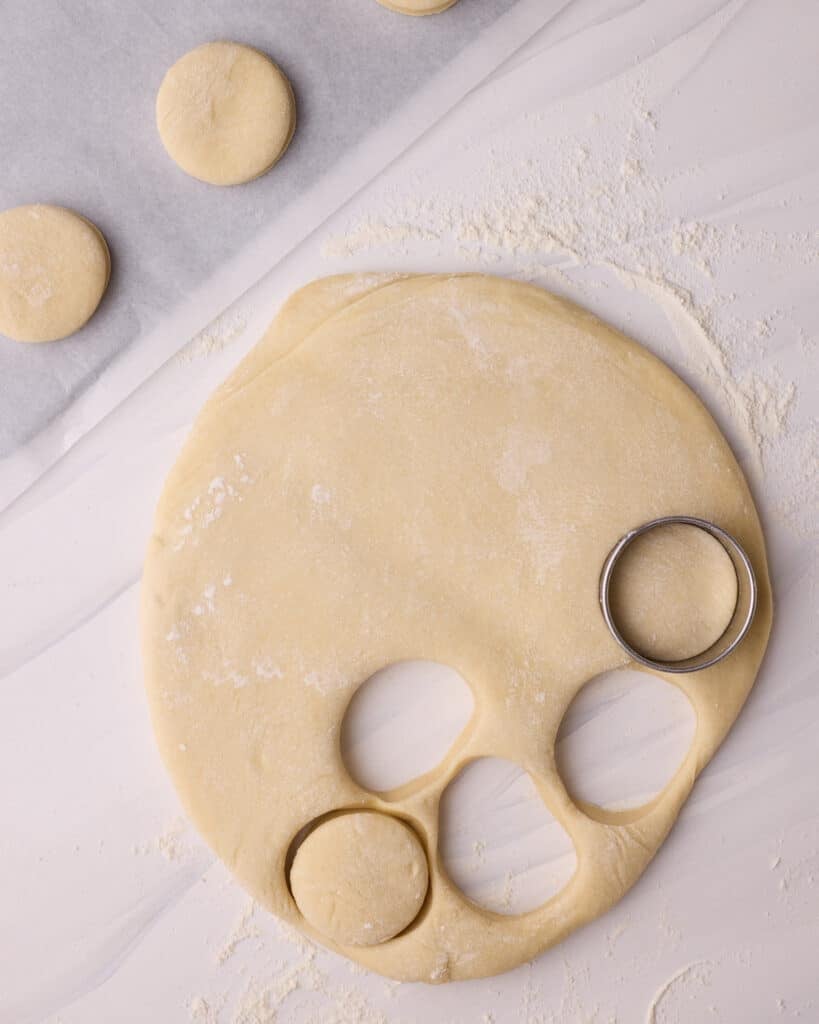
78	82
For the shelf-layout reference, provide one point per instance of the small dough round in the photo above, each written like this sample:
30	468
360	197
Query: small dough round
418	7
225	113
360	878
54	269
674	592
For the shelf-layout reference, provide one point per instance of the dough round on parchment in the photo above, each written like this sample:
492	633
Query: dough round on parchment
360	878
432	468
673	592
225	113
54	269
418	7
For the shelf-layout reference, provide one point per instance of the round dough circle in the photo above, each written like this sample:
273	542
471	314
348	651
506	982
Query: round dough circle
360	878
418	7
673	592
435	468
225	113
54	269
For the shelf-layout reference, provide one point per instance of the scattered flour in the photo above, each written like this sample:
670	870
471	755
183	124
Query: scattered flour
613	937
176	843
202	1011
581	211
573	1005
244	929
292	988
479	854
216	337
686	984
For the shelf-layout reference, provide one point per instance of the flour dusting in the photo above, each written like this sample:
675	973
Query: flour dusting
295	987
581	208
215	338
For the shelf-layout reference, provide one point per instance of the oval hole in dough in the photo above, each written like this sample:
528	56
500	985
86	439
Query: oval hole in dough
499	843
403	721
623	738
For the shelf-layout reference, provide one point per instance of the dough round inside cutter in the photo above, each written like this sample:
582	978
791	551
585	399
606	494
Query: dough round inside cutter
225	113
360	878
673	592
432	468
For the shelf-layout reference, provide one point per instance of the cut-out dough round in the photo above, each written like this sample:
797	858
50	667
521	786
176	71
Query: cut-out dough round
673	592
225	113
429	467
360	878
54	269
418	7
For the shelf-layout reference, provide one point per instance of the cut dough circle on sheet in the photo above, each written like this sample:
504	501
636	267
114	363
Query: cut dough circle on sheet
225	113
418	7
422	467
360	878
54	269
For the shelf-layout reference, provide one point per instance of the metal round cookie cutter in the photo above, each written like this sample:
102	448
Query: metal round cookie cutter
744	611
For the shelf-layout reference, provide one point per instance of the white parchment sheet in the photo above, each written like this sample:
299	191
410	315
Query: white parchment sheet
78	82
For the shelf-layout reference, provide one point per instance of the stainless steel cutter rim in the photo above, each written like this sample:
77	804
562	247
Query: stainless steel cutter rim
744	611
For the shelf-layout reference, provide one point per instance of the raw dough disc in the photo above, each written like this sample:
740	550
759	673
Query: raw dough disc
432	468
360	878
54	269
225	113
674	592
418	7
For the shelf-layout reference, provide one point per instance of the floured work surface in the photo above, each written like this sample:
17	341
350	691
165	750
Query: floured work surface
422	467
79	88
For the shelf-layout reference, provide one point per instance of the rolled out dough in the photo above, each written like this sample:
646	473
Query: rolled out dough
54	269
360	878
430	468
225	113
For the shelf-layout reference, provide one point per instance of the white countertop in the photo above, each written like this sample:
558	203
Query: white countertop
657	162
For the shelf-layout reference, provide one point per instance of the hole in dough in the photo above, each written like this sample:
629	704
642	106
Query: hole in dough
359	877
402	722
673	592
499	843
623	738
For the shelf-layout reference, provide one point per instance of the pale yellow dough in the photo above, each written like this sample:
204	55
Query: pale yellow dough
432	468
225	113
54	269
360	878
418	7
674	592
